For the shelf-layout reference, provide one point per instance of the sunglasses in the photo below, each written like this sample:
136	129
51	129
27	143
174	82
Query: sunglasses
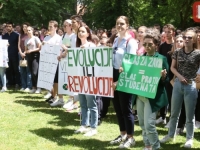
148	44
179	41
189	37
115	49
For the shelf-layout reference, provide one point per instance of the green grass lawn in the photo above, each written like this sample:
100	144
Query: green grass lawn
28	123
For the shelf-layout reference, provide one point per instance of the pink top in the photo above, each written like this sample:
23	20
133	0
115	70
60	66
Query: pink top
22	39
140	50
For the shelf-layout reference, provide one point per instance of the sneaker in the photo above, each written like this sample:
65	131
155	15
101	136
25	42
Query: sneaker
167	125
68	104
179	131
160	120
129	142
32	91
147	148
3	89
48	95
48	99
27	90
52	100
22	89
72	107
166	139
197	124
38	91
57	103
91	132
188	143
118	140
135	118
82	129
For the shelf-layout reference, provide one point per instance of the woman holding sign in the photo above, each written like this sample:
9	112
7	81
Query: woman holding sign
89	112
147	107
122	102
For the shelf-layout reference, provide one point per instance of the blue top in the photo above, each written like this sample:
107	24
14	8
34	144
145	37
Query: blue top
13	44
120	48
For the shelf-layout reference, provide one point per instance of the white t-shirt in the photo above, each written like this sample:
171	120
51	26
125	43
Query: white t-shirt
0	36
69	40
89	44
54	40
31	43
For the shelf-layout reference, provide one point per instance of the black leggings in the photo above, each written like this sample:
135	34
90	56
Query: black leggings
33	64
122	103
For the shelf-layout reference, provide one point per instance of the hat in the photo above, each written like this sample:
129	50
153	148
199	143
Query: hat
68	21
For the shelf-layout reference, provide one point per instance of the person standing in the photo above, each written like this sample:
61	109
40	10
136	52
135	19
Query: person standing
26	82
165	50
12	72
184	90
32	47
122	101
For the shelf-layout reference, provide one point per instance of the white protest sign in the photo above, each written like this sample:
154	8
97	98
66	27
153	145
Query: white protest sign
48	65
87	71
3	53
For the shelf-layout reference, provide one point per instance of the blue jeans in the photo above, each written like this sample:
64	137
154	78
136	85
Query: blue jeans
187	94
25	76
88	109
147	120
3	76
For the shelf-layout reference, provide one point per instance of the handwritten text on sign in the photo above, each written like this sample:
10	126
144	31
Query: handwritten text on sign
3	53
48	65
141	75
86	71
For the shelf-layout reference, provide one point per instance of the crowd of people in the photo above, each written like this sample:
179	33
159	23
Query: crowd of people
179	50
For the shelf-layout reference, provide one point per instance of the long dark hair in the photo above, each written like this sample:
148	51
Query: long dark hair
89	38
22	31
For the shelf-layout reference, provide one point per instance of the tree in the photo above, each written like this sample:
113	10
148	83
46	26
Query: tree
37	12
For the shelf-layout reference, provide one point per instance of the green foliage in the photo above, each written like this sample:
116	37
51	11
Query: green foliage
36	12
100	13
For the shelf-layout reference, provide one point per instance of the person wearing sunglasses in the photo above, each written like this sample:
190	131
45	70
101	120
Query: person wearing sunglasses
122	101
147	108
184	90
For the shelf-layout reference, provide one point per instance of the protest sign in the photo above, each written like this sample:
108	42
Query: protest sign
4	53
86	71
140	76
48	65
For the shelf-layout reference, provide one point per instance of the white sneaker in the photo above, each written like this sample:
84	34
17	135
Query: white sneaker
57	103
197	124
91	132
160	120
48	95
22	89
68	104
188	143
167	125
166	139
38	91
27	90
3	89
82	129
32	91
129	142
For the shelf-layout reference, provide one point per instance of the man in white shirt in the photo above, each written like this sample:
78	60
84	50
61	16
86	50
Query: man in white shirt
54	39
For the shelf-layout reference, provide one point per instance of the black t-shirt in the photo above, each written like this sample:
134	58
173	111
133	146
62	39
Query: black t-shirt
164	50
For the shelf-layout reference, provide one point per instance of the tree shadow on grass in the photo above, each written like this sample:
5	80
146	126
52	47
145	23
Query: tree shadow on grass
66	137
32	102
61	118
36	97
